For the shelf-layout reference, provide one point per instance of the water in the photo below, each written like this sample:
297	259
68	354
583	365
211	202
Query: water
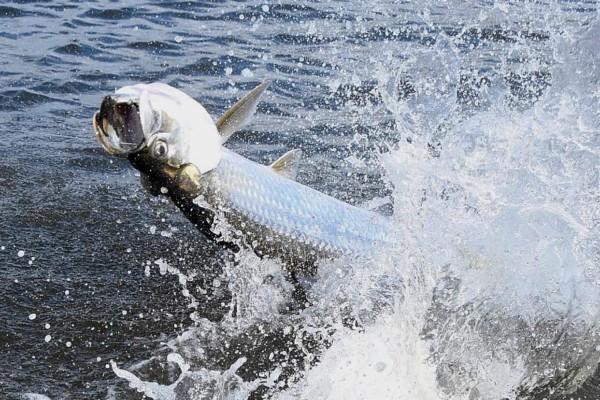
479	120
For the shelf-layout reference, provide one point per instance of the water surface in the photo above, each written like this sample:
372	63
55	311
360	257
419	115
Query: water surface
480	121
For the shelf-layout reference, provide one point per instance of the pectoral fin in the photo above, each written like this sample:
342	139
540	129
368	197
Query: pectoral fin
241	112
287	164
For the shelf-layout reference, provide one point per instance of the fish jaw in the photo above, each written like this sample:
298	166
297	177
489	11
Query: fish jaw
131	138
184	181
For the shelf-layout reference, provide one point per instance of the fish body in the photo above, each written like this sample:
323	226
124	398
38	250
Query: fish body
284	216
262	206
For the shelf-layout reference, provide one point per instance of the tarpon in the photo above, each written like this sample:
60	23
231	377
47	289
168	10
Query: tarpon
178	149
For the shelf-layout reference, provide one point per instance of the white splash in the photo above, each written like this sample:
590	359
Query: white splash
492	290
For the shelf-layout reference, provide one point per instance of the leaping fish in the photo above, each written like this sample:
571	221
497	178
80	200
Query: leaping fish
178	149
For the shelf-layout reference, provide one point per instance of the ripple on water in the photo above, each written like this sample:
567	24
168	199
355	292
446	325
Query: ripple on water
50	59
77	49
76	23
8	35
6	11
16	99
407	34
83	50
196	6
296	12
157	47
307	39
72	87
11	12
205	66
112	13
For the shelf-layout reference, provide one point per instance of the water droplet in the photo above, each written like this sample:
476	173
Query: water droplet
68	344
47	338
380	366
265	8
32	316
47	326
178	39
21	253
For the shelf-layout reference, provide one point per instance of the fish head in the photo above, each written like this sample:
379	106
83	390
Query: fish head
168	127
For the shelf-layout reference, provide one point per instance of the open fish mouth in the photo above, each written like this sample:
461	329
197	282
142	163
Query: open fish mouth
118	126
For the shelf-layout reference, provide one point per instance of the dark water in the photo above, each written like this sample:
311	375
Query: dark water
76	229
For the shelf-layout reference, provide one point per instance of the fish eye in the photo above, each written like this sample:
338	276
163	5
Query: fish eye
160	149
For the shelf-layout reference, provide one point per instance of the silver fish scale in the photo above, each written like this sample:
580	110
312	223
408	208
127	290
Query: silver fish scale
253	194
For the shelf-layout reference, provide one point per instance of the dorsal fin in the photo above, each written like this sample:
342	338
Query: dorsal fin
287	164
239	114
